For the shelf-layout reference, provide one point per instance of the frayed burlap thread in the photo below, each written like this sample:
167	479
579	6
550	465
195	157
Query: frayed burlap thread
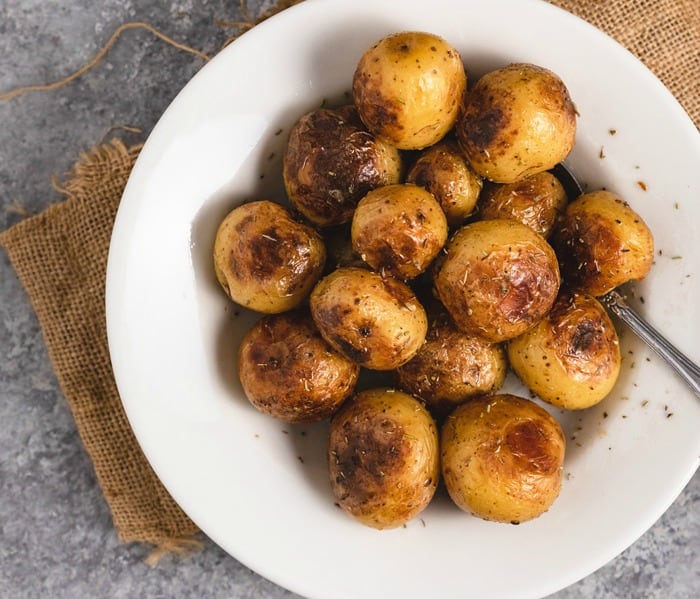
60	256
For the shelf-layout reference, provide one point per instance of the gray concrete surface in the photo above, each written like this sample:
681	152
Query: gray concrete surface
56	535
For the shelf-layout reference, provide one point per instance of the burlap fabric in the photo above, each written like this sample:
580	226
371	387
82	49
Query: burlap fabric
60	257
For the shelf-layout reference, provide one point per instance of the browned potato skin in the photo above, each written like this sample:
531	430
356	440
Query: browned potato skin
398	230
383	457
537	201
517	121
444	172
602	243
288	371
497	278
331	161
451	367
408	88
571	358
502	458
264	259
376	322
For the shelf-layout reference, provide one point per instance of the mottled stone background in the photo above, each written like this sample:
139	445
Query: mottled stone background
56	537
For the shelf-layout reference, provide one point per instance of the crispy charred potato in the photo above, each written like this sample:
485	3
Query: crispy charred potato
517	121
602	243
502	458
408	88
571	358
383	457
398	230
331	161
497	278
537	201
452	367
264	259
288	371
376	322
444	172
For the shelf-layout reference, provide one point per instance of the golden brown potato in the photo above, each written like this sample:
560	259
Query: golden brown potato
408	88
537	201
497	278
517	121
602	243
502	458
376	322
383	457
444	172
331	161
398	230
288	371
452	367
264	259
571	358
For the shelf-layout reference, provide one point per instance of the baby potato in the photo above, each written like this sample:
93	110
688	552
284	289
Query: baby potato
264	259
408	88
374	321
497	278
452	367
517	121
383	457
331	161
602	243
288	371
537	201
444	172
571	358
398	230
502	458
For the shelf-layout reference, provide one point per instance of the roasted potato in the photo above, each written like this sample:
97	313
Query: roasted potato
497	278
264	259
452	367
398	230
376	322
444	172
517	121
602	243
408	88
571	358
331	161
537	201
502	458
383	457
287	370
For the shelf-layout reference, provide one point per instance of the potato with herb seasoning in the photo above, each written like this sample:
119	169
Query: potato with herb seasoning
398	230
537	201
408	89
331	161
264	259
376	322
287	370
571	358
602	243
452	367
517	121
444	172
502	458
497	278
383	457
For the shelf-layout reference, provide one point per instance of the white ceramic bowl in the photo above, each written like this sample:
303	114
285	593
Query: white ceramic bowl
258	487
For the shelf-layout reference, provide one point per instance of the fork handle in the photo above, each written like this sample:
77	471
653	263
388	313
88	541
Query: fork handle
685	367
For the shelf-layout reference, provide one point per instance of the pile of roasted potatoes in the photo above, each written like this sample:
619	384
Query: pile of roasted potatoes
428	239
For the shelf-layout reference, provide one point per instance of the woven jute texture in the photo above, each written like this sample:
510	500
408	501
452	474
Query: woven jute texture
60	257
